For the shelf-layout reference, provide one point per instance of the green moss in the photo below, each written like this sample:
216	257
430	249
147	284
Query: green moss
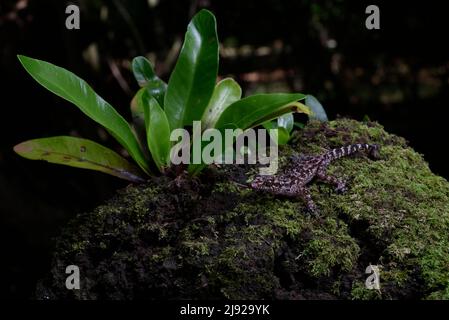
215	239
331	246
439	295
196	248
80	246
359	292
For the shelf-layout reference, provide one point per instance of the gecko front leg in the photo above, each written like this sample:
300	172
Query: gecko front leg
340	185
304	194
299	192
293	191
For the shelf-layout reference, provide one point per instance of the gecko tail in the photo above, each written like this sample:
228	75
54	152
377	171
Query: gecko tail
372	149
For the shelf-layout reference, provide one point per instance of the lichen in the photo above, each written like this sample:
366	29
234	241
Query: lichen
213	238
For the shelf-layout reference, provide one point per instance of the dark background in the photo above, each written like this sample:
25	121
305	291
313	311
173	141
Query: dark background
398	75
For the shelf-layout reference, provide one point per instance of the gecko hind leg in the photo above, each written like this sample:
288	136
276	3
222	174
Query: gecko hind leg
340	185
304	194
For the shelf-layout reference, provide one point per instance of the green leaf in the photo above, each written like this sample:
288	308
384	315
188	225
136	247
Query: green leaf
193	79
286	121
194	168
80	153
283	133
318	110
257	109
283	136
299	125
137	114
157	128
146	77
138	126
143	70
67	85
226	92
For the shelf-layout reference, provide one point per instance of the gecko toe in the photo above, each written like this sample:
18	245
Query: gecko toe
312	210
341	188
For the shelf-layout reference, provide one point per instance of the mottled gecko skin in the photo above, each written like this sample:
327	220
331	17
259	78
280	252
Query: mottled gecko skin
292	182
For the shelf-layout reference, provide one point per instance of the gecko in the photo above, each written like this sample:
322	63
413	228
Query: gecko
303	169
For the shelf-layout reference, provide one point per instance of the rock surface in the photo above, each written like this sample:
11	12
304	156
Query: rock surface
210	238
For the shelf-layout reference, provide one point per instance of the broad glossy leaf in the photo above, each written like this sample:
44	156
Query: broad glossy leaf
137	113
157	128
283	134
193	79
269	125
143	70
194	168
257	109
318	110
146	77
284	124
138	127
80	153
299	125
286	121
72	88
138	123
285	127
226	92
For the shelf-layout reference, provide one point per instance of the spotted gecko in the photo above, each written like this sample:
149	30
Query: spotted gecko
292	182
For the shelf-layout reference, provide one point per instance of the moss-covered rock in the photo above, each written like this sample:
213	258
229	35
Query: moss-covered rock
211	238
